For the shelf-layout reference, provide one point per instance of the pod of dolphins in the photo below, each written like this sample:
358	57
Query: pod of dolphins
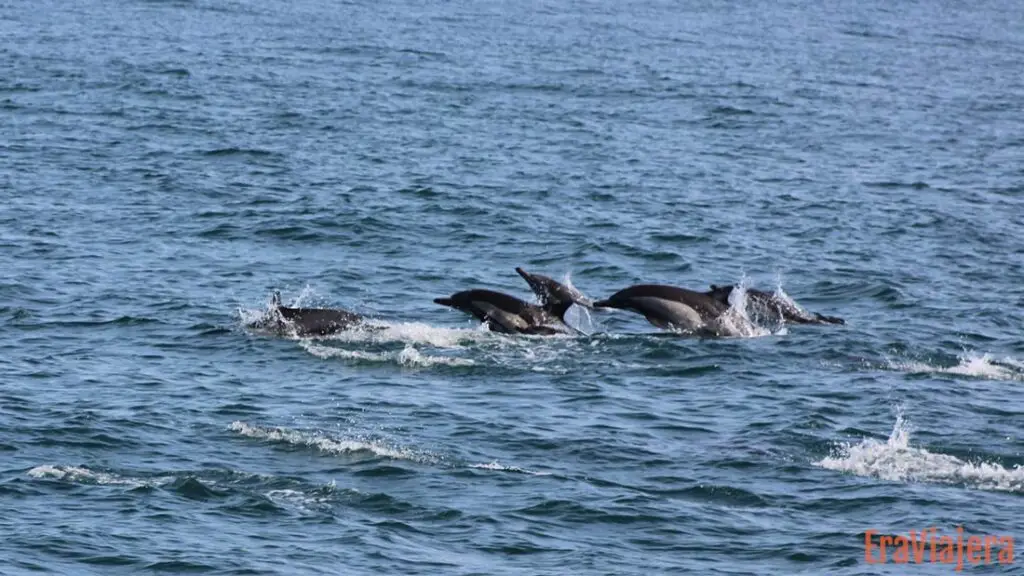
667	307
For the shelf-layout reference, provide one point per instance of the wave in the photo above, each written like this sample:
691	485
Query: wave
344	446
897	461
301	498
328	445
123	320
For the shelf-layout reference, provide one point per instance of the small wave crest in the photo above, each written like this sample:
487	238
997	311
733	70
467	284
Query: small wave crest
328	445
498	467
896	460
306	502
82	475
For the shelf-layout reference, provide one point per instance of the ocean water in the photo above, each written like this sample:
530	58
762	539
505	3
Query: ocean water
166	165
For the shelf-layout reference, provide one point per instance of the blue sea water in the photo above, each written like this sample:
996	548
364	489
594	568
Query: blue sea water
166	165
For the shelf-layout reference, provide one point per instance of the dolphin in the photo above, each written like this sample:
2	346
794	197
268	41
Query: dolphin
510	315
764	305
670	307
306	321
553	294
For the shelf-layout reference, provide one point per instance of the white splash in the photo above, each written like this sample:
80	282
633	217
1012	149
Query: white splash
251	316
970	364
328	445
408	356
736	321
788	300
83	475
895	460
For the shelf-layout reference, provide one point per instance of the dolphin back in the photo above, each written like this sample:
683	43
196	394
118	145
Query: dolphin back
767	305
503	313
701	302
668	307
319	321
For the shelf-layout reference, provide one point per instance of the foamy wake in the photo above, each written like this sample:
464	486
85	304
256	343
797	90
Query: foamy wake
972	364
329	445
81	475
497	467
378	332
895	460
408	356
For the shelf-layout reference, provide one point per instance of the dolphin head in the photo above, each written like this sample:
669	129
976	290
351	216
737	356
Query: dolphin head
450	302
720	293
554	296
461	301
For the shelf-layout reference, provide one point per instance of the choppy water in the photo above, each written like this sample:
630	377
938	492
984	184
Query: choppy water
165	165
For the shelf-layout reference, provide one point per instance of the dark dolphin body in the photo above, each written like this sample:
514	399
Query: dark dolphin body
669	307
553	294
510	315
305	321
766	306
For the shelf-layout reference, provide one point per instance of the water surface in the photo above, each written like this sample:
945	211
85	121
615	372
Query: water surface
166	165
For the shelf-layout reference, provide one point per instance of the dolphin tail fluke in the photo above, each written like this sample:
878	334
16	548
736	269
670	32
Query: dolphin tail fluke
275	299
